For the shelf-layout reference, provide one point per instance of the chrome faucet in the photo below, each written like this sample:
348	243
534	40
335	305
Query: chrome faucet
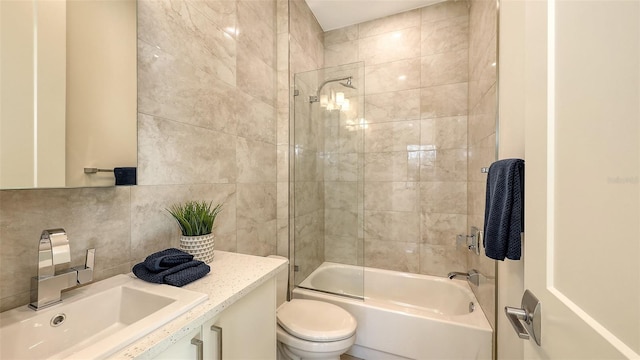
473	276
53	250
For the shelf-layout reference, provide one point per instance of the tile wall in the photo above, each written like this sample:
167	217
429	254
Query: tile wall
482	134
207	96
415	142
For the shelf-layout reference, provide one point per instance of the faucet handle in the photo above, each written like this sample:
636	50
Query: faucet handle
85	273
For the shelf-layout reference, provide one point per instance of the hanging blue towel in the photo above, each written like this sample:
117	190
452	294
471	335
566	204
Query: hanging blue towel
176	275
166	259
504	209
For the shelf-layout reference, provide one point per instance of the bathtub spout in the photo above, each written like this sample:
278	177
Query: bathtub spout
455	274
473	276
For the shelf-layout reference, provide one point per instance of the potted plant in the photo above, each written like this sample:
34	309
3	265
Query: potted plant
196	220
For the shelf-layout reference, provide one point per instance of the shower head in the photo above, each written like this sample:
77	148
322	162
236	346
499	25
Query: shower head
348	83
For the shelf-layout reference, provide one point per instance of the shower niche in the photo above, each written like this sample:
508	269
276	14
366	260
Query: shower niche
328	175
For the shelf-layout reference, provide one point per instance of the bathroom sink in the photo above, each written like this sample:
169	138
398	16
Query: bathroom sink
93	321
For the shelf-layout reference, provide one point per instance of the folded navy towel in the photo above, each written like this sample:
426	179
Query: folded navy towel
165	259
178	275
504	209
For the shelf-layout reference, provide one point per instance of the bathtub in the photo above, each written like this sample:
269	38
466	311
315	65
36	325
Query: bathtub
404	316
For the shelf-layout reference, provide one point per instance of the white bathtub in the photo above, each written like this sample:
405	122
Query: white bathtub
404	315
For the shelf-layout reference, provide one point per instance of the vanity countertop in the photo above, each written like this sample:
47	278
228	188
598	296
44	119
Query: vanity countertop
232	276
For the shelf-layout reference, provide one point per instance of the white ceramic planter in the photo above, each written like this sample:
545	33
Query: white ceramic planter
201	247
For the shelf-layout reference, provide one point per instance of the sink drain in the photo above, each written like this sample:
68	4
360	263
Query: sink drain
58	320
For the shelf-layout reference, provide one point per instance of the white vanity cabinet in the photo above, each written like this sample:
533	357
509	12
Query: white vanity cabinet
245	330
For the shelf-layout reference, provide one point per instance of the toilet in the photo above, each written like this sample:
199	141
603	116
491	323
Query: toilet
310	329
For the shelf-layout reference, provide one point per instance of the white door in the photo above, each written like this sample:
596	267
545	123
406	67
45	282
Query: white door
582	245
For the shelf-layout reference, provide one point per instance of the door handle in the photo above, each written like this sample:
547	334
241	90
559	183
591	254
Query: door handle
218	330
526	321
199	348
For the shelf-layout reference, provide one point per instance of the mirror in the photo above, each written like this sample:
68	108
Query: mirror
68	92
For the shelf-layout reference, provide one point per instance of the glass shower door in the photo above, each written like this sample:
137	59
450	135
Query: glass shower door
328	177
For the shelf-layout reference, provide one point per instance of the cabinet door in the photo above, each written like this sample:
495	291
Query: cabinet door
248	327
184	349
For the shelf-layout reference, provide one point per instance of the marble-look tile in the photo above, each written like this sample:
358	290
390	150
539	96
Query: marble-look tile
392	255
282	52
341	249
152	227
256	33
445	35
347	33
392	136
259	240
341	195
443	197
14	300
445	68
282	244
256	77
221	12
481	154
483	118
442	229
308	165
342	139
392	226
282	167
391	46
443	133
282	200
307	227
392	166
389	23
256	119
226	242
177	29
391	196
256	161
309	197
444	100
476	198
394	76
443	165
440	260
341	167
306	31
341	53
166	148
256	205
92	217
302	60
341	222
282	16
172	88
392	106
445	10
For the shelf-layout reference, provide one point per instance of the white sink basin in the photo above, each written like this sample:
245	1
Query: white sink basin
94	321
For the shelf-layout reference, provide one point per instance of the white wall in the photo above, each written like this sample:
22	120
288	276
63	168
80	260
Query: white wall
511	145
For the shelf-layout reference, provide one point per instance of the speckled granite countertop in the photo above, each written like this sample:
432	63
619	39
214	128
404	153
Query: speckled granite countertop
232	276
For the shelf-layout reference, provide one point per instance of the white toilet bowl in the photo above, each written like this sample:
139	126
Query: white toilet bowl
309	329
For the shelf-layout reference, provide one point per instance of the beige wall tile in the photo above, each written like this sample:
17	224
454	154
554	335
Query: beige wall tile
445	10
256	161
443	165
392	166
341	195
442	229
482	119
395	255
392	106
347	33
394	76
340	222
255	77
440	260
392	226
445	68
445	35
443	133
341	53
389	23
309	197
166	148
444	100
392	196
342	139
392	136
376	49
255	32
341	249
258	240
341	167
443	197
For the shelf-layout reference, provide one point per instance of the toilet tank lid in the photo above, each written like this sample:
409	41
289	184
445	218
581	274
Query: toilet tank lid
316	320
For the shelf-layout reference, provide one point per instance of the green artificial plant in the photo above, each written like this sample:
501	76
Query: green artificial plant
195	218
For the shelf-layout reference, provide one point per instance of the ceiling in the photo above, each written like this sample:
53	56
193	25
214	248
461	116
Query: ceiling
334	14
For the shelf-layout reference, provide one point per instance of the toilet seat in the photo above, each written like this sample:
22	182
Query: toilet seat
316	321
